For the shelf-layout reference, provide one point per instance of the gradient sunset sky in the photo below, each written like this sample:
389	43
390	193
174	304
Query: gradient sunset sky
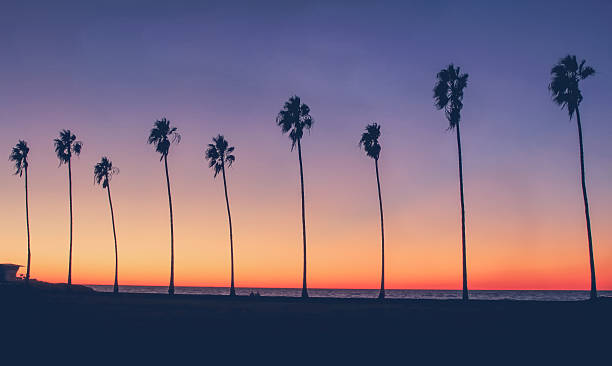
108	69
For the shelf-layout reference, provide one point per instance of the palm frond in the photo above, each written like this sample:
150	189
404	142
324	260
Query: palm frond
369	140
19	155
565	79
104	171
162	136
219	153
448	93
230	159
586	72
441	92
294	118
66	145
77	147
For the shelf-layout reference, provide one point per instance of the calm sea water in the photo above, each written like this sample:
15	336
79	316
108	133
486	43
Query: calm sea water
347	293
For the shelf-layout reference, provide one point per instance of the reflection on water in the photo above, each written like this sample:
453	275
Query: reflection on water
548	295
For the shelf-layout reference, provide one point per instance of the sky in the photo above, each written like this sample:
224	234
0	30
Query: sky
108	69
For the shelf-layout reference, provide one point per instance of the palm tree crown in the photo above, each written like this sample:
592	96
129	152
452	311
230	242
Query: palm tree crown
104	171
294	118
66	145
162	135
19	155
218	153
448	93
566	75
369	140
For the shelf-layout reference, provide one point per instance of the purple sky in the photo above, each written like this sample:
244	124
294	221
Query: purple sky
108	69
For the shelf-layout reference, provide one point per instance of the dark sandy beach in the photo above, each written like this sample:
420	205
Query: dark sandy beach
272	328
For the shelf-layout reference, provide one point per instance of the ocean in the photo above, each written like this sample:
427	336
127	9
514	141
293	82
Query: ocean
540	295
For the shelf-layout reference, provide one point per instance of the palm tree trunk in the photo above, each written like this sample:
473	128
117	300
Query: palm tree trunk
70	194
27	279
586	210
381	295
465	287
110	202
229	217
304	287
171	286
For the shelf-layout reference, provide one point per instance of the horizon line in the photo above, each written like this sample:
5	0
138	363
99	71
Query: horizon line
343	288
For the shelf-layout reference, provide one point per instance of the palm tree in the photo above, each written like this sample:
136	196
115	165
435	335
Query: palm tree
65	146
162	136
103	172
19	155
294	118
566	75
448	95
369	142
218	154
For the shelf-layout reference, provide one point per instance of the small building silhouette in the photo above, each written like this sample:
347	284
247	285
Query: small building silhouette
8	272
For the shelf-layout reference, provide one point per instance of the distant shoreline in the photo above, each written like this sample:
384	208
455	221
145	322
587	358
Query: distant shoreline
338	288
522	295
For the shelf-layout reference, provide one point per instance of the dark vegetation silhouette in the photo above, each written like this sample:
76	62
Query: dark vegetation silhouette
369	142
218	154
103	172
162	136
564	86
65	146
448	95
19	155
294	118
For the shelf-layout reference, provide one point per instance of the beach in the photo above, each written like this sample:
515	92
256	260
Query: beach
155	325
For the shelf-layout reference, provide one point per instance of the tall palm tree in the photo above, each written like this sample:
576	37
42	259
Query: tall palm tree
218	154
19	155
294	118
564	86
448	95
162	136
65	146
369	142
103	172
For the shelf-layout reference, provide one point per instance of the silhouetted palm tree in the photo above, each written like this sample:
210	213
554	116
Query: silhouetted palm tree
65	146
103	172
369	142
566	76
218	154
294	118
448	95
162	136
19	155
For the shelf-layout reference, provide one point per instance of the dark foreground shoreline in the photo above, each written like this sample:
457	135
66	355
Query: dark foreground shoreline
269	328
